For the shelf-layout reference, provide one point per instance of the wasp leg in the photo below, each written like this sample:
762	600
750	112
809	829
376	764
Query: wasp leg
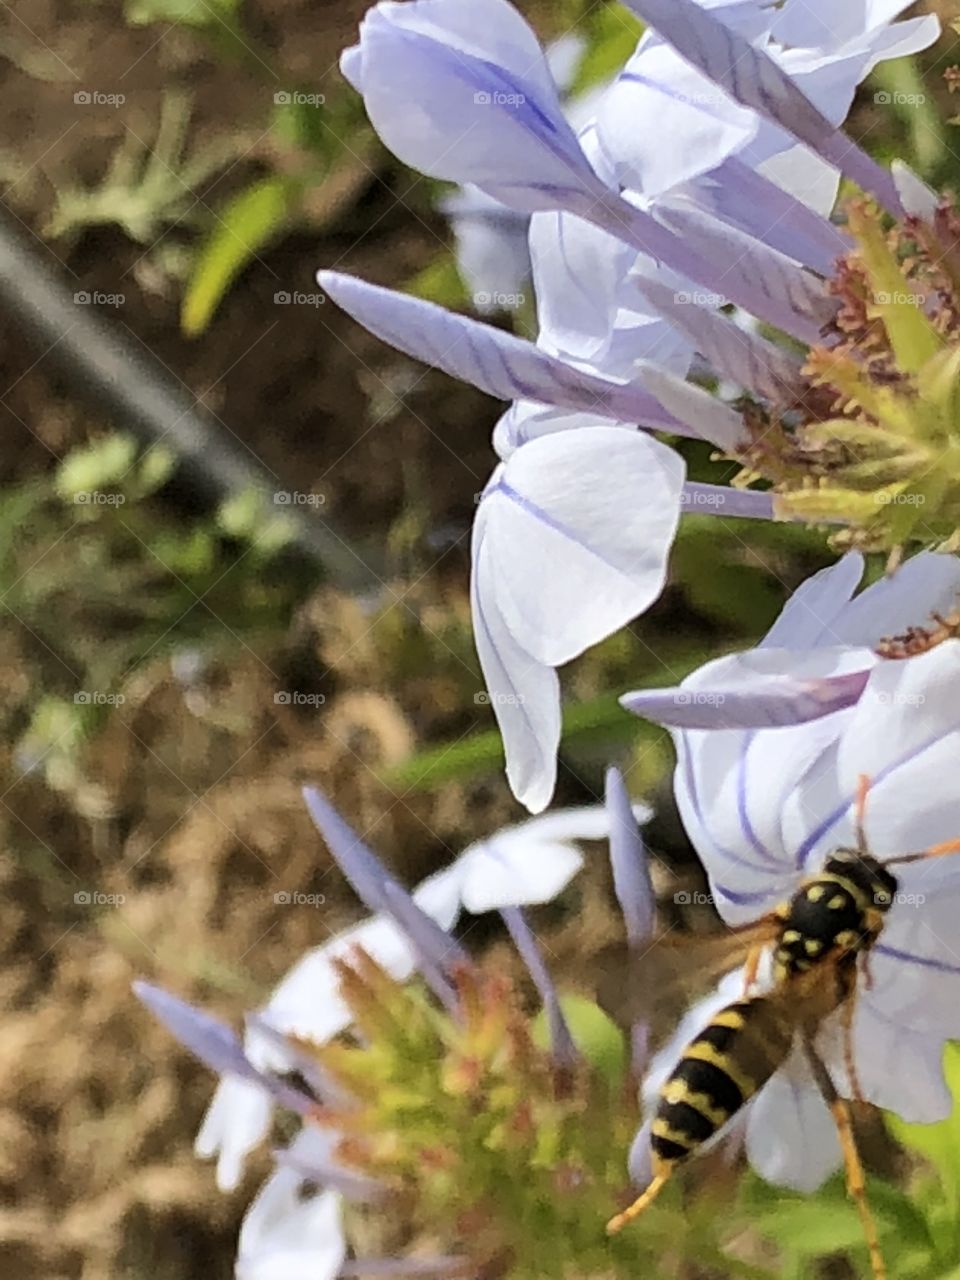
860	809
856	1184
848	1010
634	1210
751	966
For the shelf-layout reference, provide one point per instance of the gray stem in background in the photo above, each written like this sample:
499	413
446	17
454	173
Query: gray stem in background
135	393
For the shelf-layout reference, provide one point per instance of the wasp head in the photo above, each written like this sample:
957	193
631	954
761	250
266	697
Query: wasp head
867	873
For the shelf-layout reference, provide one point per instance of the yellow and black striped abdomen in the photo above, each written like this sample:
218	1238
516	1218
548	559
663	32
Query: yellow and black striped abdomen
720	1069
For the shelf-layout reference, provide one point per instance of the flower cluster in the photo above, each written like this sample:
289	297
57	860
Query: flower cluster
519	866
680	272
505	1143
701	181
770	746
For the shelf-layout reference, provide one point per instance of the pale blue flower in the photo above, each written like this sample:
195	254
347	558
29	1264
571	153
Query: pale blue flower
522	865
766	783
630	282
825	53
493	256
293	1228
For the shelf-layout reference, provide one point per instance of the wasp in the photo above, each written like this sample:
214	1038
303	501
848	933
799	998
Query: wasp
821	938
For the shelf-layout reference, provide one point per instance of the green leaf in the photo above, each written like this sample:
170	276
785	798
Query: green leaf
189	13
938	1143
613	34
812	1228
595	1034
440	282
100	465
251	221
483	752
903	91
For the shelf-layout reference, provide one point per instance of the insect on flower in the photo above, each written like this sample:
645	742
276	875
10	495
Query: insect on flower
822	938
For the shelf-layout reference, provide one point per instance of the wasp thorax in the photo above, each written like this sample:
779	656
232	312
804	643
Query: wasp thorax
869	875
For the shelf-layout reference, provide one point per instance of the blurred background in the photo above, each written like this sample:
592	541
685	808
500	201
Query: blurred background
234	552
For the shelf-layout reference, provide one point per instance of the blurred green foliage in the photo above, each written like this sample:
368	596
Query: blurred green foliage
148	187
102	582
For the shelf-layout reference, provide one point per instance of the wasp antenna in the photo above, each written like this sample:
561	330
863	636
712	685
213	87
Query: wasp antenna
634	1210
860	810
935	851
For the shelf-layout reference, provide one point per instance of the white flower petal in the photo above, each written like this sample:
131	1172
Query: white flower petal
492	116
916	964
705	124
803	175
602	503
307	1003
919	200
791	1136
564	56
504	873
926	583
916	1090
527	420
809	615
439	895
289	1234
524	693
236	1121
904	735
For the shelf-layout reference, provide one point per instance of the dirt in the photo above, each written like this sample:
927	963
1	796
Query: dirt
186	817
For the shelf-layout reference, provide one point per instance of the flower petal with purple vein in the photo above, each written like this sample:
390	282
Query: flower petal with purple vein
753	78
603	503
761	702
497	362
